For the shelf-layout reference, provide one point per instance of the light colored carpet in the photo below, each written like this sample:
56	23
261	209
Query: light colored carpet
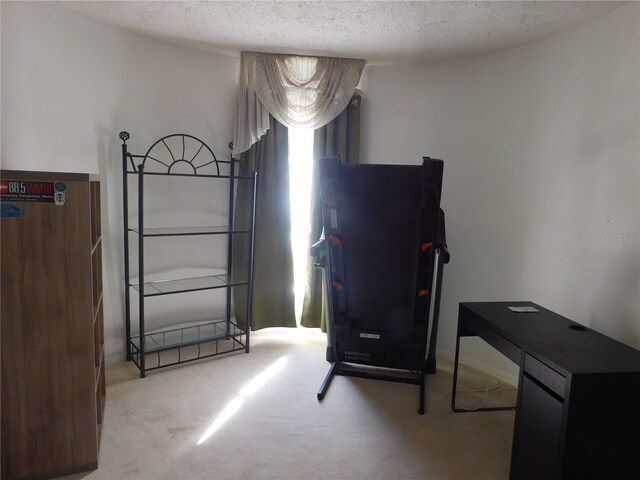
363	429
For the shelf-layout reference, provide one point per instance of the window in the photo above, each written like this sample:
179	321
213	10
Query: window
300	171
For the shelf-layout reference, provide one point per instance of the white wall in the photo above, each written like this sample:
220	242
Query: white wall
70	84
542	171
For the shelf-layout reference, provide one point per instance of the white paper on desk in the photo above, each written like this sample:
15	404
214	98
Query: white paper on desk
523	309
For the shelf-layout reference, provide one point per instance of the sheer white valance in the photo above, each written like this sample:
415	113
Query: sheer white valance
299	91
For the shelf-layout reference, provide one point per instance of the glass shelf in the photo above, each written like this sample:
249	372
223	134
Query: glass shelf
187	335
164	287
210	230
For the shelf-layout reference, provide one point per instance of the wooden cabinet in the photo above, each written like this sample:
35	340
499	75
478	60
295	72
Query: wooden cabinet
53	385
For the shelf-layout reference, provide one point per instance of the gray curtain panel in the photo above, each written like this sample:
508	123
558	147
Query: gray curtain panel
273	299
339	137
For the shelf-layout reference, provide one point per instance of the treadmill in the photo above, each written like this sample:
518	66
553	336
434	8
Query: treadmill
382	253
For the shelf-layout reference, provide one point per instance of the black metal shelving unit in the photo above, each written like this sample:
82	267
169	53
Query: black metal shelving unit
182	155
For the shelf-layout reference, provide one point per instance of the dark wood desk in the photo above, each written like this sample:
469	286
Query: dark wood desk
578	406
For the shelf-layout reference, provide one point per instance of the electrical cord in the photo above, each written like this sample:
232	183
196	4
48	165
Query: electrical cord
489	388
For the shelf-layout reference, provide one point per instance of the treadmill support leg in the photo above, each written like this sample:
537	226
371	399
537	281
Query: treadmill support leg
422	389
327	381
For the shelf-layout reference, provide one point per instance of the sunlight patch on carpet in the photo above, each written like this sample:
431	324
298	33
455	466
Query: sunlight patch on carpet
249	389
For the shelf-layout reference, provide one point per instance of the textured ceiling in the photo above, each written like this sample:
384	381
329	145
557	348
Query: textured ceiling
377	31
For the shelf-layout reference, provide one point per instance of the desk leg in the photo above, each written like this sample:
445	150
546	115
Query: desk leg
455	374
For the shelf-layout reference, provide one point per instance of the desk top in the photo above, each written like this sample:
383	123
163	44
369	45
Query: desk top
568	346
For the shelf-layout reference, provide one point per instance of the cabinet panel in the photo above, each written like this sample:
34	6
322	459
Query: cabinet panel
537	437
